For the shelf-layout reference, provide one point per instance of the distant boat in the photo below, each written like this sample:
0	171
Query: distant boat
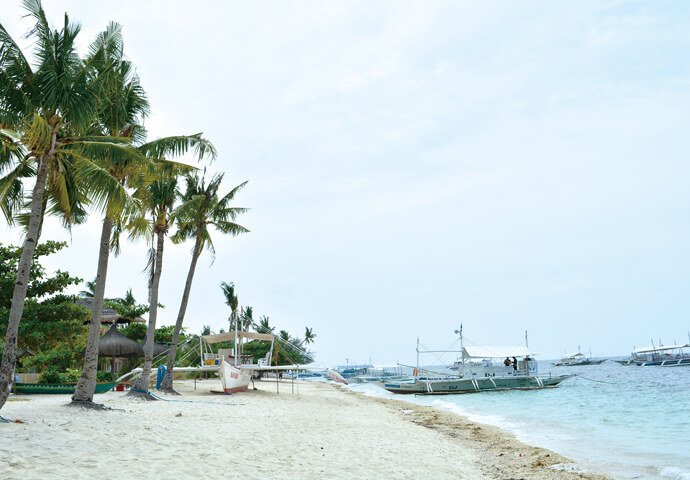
482	369
577	359
661	356
380	374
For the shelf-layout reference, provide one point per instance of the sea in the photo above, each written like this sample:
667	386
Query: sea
628	422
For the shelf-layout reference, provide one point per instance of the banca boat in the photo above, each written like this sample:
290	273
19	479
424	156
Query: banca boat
482	369
578	359
662	356
32	388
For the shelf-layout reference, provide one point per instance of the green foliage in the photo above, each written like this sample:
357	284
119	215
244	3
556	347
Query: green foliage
134	331
165	334
56	375
127	311
52	328
40	284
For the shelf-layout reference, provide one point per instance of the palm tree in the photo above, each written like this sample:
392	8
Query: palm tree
48	110
201	208
309	336
123	107
129	299
231	301
90	289
120	116
263	326
158	200
246	319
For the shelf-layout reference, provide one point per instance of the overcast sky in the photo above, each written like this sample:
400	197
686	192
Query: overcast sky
511	166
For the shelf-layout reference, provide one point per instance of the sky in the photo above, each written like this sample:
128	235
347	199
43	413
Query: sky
413	166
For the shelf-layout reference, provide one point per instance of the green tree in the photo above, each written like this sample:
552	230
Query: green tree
48	110
90	289
52	326
231	301
264	326
309	336
201	208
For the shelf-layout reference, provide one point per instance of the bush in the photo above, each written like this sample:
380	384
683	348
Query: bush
51	375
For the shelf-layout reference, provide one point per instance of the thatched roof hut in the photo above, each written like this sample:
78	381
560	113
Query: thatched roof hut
114	344
108	315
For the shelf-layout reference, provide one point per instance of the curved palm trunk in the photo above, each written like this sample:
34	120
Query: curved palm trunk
166	385
83	394
142	384
9	357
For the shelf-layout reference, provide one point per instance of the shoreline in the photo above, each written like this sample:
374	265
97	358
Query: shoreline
498	452
325	432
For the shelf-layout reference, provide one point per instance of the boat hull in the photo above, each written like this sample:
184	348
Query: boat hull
56	388
233	379
474	385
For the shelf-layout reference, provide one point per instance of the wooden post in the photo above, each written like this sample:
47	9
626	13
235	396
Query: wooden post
277	392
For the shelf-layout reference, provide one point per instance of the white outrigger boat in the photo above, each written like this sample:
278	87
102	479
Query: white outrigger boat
236	371
578	359
481	369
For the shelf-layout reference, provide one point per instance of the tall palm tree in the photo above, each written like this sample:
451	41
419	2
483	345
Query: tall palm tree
158	201
231	301
49	109
201	209
124	106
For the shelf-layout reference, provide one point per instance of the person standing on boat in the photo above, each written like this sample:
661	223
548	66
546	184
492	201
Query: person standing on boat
515	364
506	362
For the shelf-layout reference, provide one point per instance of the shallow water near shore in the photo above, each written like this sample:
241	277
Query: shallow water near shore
627	422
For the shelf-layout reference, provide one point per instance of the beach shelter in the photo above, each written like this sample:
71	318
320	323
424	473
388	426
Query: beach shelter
115	345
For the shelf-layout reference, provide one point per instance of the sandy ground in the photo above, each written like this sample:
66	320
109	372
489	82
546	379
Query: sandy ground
325	432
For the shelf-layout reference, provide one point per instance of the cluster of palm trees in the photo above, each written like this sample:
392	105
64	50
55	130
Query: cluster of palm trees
243	319
74	124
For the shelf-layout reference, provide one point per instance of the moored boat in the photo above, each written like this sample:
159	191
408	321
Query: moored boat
482	369
661	356
33	388
578	359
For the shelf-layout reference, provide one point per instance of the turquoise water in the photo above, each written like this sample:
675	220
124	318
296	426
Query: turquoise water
627	422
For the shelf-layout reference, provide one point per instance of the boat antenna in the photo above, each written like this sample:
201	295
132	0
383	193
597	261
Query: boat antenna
526	342
462	348
417	355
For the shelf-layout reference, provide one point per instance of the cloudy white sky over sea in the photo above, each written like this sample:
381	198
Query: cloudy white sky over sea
511	166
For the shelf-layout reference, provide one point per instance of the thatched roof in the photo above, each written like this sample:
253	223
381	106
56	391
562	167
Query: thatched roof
108	315
114	344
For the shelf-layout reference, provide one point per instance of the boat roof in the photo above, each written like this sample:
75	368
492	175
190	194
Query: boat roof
573	355
230	336
495	352
660	348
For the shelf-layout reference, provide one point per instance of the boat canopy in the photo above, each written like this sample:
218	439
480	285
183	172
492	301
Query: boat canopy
573	355
230	336
494	352
660	349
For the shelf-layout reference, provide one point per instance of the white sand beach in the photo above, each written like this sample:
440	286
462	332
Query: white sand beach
325	432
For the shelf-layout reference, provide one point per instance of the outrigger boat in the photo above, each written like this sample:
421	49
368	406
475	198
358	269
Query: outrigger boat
662	356
236	370
55	388
478	372
577	359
